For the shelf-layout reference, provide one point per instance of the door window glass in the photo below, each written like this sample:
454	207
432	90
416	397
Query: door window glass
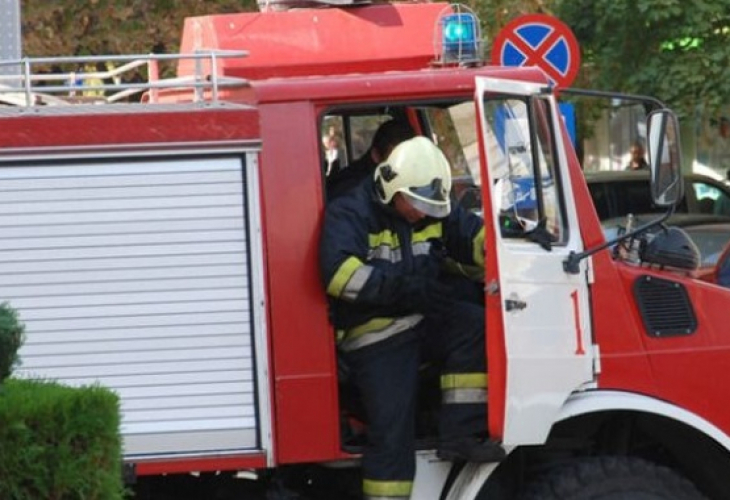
521	155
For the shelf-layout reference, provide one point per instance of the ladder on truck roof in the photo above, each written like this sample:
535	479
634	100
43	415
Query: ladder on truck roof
113	78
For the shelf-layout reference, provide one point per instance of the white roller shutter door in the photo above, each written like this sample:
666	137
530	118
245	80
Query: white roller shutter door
136	274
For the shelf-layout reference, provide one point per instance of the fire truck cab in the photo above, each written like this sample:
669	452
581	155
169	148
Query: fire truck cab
168	249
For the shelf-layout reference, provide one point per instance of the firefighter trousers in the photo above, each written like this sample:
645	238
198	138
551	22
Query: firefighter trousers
387	377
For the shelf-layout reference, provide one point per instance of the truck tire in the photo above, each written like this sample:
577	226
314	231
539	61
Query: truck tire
611	478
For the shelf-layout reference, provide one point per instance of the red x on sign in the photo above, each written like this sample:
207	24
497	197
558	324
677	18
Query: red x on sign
542	41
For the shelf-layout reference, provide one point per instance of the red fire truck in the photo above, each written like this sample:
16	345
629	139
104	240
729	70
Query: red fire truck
168	249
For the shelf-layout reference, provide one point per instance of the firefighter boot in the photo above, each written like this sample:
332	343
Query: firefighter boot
470	449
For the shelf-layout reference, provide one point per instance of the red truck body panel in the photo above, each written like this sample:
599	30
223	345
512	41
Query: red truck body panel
115	129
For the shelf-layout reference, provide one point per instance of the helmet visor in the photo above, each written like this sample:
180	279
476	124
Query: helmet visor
432	200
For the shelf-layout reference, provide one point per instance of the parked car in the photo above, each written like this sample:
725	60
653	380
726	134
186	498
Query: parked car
710	233
617	194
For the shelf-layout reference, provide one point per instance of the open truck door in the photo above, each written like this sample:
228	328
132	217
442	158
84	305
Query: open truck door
538	315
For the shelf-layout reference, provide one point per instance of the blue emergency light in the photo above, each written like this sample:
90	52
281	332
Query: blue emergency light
460	37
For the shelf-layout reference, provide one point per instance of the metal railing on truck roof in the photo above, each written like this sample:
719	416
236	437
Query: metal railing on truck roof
114	78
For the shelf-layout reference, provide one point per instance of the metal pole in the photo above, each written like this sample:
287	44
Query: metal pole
10	38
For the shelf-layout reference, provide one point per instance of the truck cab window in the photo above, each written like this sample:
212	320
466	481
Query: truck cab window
451	125
361	139
453	128
520	152
362	130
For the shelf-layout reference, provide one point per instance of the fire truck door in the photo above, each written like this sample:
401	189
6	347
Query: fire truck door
545	311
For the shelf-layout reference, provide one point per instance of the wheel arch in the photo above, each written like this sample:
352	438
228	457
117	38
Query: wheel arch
593	402
605	423
623	423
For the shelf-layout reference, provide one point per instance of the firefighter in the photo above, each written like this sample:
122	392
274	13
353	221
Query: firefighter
388	135
380	255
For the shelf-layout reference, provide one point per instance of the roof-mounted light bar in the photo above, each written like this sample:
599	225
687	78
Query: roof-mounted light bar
458	37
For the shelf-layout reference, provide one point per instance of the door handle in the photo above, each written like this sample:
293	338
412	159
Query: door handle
514	305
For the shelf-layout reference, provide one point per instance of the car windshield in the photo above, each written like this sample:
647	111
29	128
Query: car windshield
710	240
616	194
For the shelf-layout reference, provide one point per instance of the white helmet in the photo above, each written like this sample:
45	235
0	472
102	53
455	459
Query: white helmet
418	169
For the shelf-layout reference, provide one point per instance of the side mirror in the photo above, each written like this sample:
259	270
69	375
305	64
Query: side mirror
667	187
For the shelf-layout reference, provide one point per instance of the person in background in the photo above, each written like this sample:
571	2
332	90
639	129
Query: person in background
388	135
638	161
331	153
719	154
381	252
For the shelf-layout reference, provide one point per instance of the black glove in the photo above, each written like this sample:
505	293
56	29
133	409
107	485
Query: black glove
424	295
431	265
437	250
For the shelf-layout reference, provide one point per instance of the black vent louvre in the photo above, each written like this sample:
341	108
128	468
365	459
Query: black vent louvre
664	306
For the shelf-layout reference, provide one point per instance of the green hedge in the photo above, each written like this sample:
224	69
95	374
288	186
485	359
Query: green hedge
59	442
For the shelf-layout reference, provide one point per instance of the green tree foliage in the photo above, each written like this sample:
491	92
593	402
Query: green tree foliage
672	49
83	27
65	27
494	14
11	338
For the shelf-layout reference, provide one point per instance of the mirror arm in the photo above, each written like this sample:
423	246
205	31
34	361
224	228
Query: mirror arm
571	263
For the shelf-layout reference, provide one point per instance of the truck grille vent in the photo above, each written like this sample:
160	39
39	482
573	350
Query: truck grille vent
665	307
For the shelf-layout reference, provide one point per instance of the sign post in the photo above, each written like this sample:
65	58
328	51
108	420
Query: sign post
10	41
